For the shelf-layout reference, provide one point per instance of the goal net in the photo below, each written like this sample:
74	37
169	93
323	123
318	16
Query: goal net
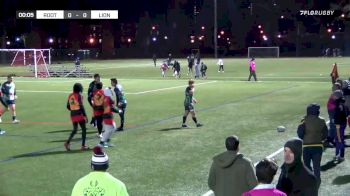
262	52
37	60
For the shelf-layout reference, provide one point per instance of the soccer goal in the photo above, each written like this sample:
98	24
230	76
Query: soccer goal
37	60
267	52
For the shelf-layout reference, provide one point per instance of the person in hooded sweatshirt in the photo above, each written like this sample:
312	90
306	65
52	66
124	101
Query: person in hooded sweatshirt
231	173
313	131
295	177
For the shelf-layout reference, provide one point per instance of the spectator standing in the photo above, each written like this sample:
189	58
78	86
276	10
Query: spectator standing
231	174
99	181
296	178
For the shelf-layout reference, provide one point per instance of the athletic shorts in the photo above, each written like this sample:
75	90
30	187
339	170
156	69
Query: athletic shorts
189	107
10	102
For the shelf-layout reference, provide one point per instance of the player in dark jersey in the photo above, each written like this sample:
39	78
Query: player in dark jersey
189	104
91	90
120	102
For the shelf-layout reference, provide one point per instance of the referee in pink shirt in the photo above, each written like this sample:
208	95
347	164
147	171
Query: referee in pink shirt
252	69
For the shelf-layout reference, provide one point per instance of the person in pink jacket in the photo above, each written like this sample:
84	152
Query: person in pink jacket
252	69
265	171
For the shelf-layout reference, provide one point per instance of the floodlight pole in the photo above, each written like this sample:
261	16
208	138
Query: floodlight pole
215	29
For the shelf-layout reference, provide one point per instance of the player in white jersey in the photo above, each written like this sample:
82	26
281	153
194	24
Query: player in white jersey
8	91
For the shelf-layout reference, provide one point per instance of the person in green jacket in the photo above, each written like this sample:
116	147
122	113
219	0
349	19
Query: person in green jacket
99	181
231	173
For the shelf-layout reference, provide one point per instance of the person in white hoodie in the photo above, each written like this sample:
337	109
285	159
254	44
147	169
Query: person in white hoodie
221	65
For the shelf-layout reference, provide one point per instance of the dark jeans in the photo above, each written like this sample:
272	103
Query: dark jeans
340	146
99	120
332	129
221	68
122	117
252	73
313	154
75	129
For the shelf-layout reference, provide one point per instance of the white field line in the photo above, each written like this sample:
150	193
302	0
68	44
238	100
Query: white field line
34	91
211	193
126	66
162	89
136	93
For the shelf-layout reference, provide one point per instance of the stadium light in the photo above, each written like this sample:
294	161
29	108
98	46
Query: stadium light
329	30
279	35
153	27
282	17
18	39
129	40
228	39
8	43
203	27
154	39
261	31
50	40
343	15
259	26
91	40
222	32
219	36
165	37
192	41
333	36
265	38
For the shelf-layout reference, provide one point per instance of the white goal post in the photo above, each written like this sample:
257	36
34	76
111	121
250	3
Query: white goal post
268	52
36	59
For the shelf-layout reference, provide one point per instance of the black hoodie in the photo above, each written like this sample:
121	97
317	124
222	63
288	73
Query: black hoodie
296	178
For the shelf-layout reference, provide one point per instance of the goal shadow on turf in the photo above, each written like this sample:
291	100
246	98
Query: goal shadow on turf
170	129
38	154
60	131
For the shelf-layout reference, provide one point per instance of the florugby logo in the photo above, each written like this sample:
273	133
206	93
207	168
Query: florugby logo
317	12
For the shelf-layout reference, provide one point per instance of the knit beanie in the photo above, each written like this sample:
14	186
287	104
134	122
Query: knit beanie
313	109
99	160
296	146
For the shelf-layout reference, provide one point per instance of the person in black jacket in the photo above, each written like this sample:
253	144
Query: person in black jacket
295	177
340	115
313	131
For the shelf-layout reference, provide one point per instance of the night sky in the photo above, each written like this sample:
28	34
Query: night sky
176	19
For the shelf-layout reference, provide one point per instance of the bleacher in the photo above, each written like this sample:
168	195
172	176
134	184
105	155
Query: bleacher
65	71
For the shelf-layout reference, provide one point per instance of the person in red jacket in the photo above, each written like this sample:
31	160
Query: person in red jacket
77	115
108	121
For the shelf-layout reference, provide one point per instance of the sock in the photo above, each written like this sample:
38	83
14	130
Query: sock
184	119
13	117
194	119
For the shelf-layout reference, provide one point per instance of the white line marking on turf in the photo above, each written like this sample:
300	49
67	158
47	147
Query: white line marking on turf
162	89
33	91
211	193
116	67
136	93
